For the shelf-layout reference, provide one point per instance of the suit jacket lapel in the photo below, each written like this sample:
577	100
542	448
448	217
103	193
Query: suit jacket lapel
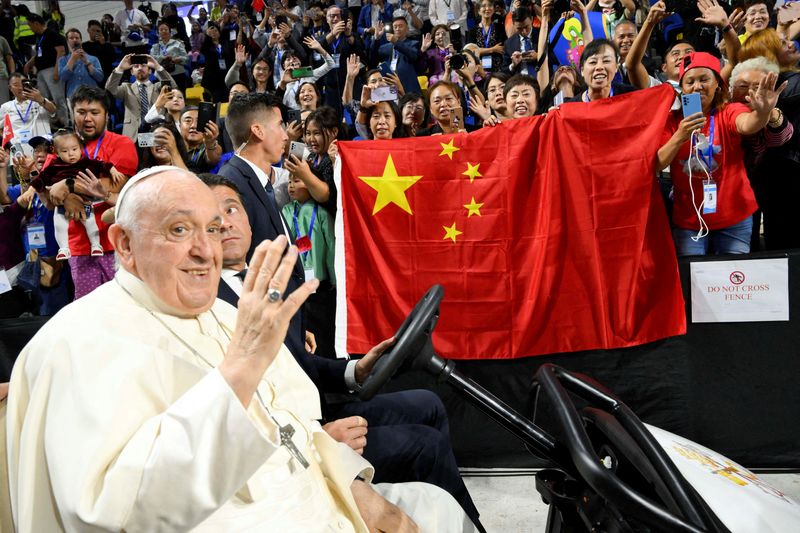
261	194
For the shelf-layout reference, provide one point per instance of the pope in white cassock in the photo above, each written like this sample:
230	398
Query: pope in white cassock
149	405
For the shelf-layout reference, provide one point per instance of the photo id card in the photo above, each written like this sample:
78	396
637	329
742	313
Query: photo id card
709	197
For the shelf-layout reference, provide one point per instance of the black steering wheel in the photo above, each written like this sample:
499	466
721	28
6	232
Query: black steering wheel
413	341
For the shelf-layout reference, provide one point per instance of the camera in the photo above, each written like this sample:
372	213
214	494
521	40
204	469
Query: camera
455	37
457	61
387	28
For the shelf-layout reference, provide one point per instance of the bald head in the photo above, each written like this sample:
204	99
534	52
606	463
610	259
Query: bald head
168	235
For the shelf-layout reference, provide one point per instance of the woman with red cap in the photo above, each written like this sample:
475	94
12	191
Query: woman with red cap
713	200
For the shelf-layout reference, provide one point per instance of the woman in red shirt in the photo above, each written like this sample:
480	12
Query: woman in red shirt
713	200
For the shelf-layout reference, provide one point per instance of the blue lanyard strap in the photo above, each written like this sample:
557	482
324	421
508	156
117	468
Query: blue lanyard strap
27	111
197	153
336	44
708	156
487	36
586	94
310	225
96	147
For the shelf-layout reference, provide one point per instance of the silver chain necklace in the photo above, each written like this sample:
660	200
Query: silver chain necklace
285	432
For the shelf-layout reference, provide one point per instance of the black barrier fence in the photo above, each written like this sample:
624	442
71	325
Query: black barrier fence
734	387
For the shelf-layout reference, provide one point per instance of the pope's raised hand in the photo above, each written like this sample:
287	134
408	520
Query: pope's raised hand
263	318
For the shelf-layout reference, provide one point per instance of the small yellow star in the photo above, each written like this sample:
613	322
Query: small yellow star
449	149
391	188
472	172
451	232
473	207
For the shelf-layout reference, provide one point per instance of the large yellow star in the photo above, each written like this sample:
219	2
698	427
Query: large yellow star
472	172
391	188
449	149
451	232
473	208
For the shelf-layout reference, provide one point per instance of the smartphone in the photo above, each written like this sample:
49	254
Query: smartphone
297	149
206	112
691	104
138	59
457	117
385	68
168	85
78	46
384	94
146	140
28	85
281	19
302	72
293	115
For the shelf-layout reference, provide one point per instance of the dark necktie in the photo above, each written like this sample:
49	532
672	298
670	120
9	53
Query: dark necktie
144	105
241	274
271	193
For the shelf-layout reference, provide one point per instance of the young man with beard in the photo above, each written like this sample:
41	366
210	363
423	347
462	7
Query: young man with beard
90	112
135	95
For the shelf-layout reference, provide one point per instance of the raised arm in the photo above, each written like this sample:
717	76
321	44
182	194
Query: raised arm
633	63
543	74
762	101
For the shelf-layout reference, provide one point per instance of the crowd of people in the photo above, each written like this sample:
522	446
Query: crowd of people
253	98
151	88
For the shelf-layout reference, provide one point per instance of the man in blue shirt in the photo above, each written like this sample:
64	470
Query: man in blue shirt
78	68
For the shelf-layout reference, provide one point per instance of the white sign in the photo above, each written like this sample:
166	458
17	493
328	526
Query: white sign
755	290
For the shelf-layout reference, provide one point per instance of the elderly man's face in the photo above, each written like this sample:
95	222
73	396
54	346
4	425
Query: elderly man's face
177	249
236	232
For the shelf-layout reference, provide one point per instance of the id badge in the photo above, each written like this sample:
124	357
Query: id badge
36	237
709	197
38	51
222	65
336	58
309	274
317	56
486	61
451	17
259	16
5	283
232	35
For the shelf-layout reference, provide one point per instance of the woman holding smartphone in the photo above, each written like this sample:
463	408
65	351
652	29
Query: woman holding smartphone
714	203
316	172
290	85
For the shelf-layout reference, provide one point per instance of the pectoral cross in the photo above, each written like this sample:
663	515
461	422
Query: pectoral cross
286	433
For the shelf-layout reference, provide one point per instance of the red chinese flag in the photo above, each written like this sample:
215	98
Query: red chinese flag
548	234
8	131
258	6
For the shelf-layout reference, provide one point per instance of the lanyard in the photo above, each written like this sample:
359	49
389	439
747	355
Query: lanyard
586	95
197	153
310	225
27	111
487	36
130	15
39	42
96	147
447	3
708	156
219	51
163	48
336	44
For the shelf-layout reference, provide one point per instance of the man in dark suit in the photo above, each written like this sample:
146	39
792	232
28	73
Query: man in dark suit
398	53
408	431
519	50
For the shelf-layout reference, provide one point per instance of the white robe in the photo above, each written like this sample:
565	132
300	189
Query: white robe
114	424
